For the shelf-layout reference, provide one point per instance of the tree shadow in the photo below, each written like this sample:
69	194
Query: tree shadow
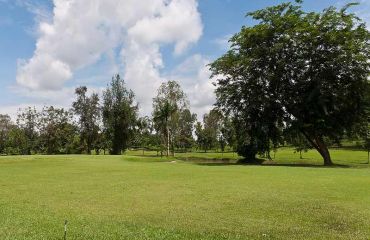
264	163
214	162
205	159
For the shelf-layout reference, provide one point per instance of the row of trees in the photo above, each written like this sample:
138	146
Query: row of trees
111	124
89	125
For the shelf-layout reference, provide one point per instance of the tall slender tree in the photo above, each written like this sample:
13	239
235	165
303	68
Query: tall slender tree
184	134
5	127
27	121
119	114
167	106
88	111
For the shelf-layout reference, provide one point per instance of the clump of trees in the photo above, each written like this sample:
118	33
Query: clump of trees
89	125
172	118
302	71
112	124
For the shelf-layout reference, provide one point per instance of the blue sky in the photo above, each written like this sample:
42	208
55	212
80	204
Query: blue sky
40	64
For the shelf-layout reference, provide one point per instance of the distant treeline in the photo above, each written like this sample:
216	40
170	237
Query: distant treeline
109	124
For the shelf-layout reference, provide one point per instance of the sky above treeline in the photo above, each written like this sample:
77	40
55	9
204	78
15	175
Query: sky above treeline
48	48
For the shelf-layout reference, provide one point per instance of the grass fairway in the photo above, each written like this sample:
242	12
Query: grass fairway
134	197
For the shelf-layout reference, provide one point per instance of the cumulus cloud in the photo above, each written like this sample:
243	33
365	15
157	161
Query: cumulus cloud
223	42
80	32
38	99
194	75
62	98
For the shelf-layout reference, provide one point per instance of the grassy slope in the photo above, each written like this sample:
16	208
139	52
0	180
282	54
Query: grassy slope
131	197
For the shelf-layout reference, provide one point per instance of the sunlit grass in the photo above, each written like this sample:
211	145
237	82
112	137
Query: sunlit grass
135	197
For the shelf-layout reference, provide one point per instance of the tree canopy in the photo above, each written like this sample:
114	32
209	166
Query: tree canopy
119	114
170	108
88	110
295	69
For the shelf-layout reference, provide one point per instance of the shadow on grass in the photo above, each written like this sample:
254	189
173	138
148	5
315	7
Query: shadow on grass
264	163
201	159
204	161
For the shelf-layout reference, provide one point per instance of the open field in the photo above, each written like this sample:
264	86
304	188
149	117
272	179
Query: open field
135	197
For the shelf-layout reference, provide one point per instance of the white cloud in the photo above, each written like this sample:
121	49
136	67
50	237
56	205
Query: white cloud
80	32
194	76
223	42
40	11
12	110
62	98
43	72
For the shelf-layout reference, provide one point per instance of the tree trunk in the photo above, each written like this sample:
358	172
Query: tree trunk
300	154
168	141
88	150
318	143
173	147
324	152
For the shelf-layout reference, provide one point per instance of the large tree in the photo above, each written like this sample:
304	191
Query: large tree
184	134
212	128
119	114
5	127
17	142
56	130
144	135
169	103
88	112
210	133
200	135
28	123
295	69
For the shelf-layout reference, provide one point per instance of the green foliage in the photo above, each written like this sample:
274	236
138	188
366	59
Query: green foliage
88	111
145	136
5	127
294	69
184	135
17	142
216	132
119	115
56	132
172	117
228	133
209	134
298	140
27	121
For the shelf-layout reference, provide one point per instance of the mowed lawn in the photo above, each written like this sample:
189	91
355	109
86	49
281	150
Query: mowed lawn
136	197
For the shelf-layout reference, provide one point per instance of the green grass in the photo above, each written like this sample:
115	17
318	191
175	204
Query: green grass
135	197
